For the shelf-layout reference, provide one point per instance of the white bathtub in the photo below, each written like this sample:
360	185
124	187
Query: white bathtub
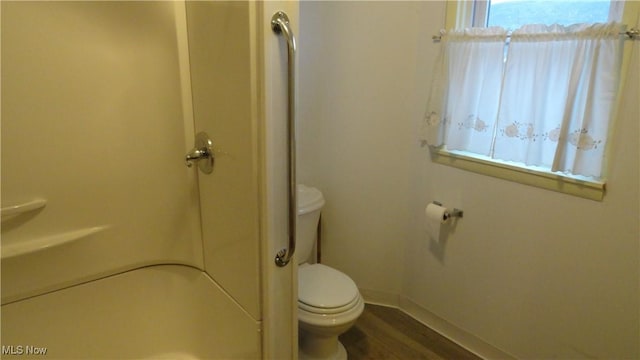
156	312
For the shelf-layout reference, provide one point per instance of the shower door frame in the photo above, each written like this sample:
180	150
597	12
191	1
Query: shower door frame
268	92
279	285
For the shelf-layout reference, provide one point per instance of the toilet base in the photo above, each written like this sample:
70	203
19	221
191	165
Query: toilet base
339	354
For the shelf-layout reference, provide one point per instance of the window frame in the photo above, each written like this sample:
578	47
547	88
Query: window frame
461	14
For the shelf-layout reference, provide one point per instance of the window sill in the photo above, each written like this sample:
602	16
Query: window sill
588	189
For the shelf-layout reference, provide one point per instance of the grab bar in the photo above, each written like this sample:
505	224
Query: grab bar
280	25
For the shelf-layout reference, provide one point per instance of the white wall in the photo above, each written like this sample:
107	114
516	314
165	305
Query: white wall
534	273
356	90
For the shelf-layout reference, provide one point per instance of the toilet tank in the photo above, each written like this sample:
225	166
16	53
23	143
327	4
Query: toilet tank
310	203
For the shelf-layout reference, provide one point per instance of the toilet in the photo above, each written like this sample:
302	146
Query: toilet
328	301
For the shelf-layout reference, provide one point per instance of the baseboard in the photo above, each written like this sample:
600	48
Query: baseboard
436	323
376	297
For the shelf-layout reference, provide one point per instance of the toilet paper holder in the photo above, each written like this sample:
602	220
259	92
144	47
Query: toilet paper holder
455	213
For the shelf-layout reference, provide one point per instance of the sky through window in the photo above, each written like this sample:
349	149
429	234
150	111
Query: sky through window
511	14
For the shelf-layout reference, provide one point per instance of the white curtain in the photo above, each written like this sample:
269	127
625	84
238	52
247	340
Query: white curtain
548	105
463	105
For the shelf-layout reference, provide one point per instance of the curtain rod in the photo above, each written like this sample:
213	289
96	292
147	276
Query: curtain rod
633	34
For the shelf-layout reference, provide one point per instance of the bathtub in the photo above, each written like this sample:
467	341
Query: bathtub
155	312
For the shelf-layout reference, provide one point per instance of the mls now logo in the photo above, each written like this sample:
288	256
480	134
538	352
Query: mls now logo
23	350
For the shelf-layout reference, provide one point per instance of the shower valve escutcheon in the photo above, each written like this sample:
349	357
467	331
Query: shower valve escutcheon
202	154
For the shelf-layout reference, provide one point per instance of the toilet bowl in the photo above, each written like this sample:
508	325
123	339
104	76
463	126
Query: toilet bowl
329	302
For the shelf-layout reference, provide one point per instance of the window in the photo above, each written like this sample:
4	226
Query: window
504	101
511	14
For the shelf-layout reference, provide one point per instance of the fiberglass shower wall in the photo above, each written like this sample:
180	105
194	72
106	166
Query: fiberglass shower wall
97	116
92	122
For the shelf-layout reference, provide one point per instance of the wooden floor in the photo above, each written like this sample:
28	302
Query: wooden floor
387	333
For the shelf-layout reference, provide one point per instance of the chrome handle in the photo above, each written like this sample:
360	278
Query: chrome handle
280	25
202	154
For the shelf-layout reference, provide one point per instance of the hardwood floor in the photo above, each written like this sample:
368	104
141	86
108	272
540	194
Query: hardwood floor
387	333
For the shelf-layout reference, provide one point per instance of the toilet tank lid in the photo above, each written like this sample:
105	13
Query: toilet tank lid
309	199
323	287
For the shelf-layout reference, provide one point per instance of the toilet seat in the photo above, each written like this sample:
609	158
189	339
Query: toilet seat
323	290
327	311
